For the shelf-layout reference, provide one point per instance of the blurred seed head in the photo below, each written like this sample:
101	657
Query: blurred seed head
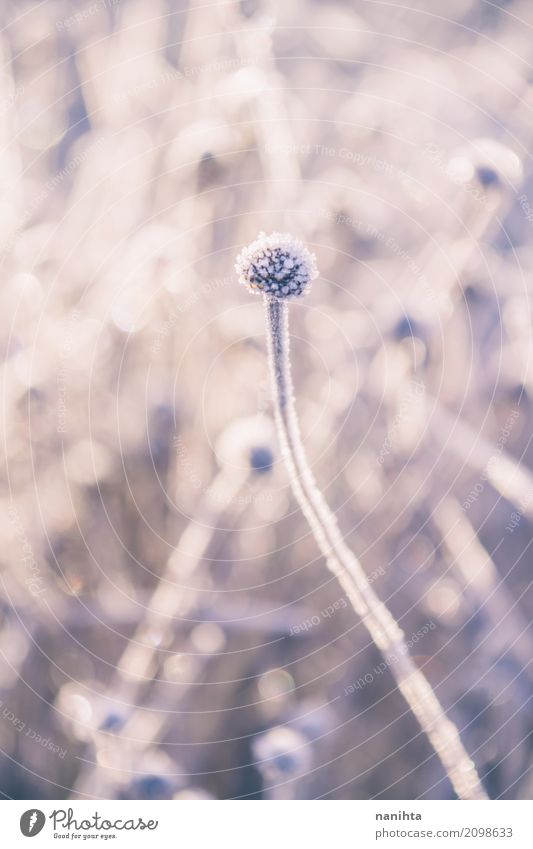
248	8
160	779
277	265
261	458
487	176
112	722
150	787
496	163
407	326
282	753
489	163
248	443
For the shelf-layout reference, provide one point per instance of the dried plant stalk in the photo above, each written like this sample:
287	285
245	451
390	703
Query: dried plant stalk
510	629
137	665
381	625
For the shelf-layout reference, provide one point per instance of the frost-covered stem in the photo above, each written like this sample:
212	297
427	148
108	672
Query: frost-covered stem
381	625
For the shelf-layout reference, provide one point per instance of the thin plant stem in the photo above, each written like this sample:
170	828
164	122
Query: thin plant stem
507	475
381	625
137	665
510	629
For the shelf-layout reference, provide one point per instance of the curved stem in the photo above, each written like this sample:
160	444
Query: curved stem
381	625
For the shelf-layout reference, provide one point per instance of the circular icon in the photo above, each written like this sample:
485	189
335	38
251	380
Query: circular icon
32	822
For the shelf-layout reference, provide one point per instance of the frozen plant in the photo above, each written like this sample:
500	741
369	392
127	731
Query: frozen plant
276	265
246	452
281	267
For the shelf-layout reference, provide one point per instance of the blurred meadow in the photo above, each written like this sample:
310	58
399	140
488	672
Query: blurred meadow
167	626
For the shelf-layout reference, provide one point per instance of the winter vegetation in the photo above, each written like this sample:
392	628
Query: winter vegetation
266	560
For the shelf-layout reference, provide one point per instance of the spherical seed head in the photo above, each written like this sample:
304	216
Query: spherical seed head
277	265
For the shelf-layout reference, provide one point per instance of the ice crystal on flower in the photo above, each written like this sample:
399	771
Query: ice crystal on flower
277	265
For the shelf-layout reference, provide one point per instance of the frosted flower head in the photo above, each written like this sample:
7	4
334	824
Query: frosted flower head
277	265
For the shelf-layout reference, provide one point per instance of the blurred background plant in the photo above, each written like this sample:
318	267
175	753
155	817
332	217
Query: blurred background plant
142	146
